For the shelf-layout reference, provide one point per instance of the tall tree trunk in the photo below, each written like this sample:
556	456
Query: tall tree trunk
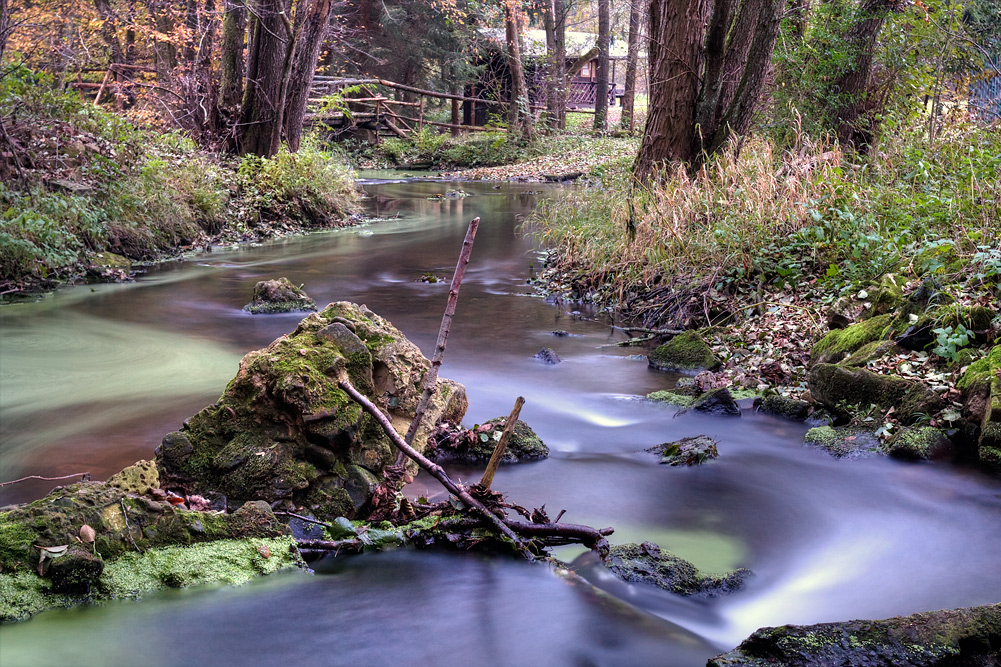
109	33
520	113
234	33
265	65
632	60
165	53
601	80
850	88
676	34
310	38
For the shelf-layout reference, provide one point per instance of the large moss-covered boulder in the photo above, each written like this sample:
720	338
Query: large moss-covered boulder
835	386
970	636
284	430
648	563
685	353
279	296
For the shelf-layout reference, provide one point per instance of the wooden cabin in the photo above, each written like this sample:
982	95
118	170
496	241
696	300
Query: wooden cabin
494	85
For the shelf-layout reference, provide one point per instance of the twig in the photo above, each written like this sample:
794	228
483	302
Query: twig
84	475
328	545
432	468
303	518
128	528
431	378
495	458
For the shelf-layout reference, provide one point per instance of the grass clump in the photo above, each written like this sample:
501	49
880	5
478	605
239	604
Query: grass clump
761	215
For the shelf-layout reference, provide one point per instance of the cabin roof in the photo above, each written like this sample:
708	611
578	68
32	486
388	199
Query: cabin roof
578	43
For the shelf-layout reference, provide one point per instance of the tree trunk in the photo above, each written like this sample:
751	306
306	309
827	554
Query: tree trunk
310	40
234	33
4	27
632	60
601	80
849	89
676	36
520	114
265	60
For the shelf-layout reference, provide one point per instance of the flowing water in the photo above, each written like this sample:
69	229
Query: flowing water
91	378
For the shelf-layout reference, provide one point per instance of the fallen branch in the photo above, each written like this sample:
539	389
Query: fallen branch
431	467
495	458
82	475
431	377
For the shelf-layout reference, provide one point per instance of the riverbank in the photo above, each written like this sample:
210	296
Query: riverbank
800	266
87	196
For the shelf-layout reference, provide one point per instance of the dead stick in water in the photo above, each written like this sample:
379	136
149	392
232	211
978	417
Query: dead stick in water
495	458
431	378
82	475
431	467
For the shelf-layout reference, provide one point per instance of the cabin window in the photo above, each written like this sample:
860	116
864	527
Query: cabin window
585	71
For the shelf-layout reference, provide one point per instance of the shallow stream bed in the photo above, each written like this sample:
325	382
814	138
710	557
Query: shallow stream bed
92	378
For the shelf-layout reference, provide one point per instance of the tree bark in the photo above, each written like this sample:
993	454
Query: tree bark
520	113
555	21
851	86
4	27
310	40
234	34
676	36
266	57
628	120
601	79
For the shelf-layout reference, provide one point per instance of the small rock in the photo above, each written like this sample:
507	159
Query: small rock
921	443
717	402
844	442
648	563
686	353
687	451
783	406
75	572
279	296
548	355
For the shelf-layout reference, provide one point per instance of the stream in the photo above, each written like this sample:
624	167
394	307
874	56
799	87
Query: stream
92	377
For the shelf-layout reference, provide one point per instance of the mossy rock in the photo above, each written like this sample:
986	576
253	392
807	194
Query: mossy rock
840	343
229	562
887	296
921	443
783	406
685	353
523	444
285	431
931	639
139	478
877	349
671	397
687	451
716	402
279	296
835	387
844	442
647	563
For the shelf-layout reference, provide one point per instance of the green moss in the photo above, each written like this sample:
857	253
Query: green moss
24	594
835	387
230	562
839	343
740	393
686	352
918	444
979	375
877	349
671	397
843	441
15	545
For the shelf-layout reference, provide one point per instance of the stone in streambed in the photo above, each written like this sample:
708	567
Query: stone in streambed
279	296
687	451
949	638
717	402
844	442
648	563
547	355
921	443
477	445
783	406
285	431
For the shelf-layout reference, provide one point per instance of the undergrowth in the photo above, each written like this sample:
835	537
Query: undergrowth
763	216
78	181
